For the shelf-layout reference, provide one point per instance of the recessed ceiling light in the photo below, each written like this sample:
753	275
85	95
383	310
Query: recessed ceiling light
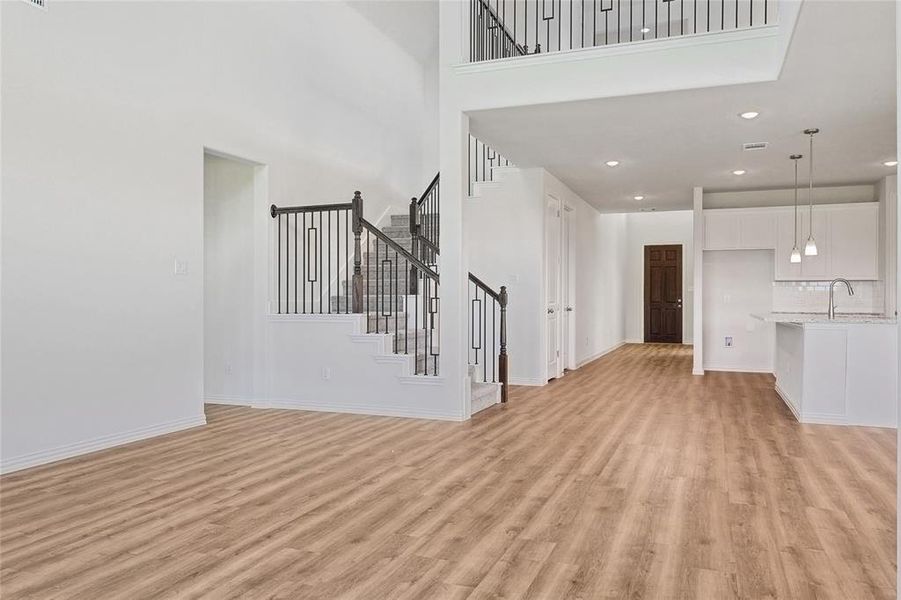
751	114
645	29
739	172
891	163
612	163
639	197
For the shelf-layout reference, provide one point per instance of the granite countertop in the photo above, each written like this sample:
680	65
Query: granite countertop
846	318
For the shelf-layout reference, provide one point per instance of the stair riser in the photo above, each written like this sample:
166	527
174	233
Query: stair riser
374	305
403	221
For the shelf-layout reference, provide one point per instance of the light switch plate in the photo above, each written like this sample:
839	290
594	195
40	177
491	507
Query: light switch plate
181	267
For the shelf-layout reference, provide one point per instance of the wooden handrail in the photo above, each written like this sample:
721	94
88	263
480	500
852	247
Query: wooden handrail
429	188
484	286
501	298
503	26
426	270
275	210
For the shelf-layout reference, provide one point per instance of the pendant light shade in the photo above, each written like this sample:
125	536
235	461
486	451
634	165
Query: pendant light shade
796	254
810	248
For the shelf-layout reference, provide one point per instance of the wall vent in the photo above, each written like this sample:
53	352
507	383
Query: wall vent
42	4
755	145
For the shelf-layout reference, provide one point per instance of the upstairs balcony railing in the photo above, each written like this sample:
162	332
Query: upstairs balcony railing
481	161
512	28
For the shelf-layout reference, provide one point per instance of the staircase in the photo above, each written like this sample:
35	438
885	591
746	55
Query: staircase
331	261
391	303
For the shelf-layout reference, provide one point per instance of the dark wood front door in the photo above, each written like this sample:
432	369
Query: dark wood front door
663	294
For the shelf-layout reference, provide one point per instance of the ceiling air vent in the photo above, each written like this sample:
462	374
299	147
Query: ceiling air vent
38	3
755	146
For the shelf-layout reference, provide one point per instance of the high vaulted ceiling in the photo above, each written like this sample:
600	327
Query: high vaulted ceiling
839	75
412	24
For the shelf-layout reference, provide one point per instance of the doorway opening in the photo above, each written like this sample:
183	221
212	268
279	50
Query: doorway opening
230	187
663	294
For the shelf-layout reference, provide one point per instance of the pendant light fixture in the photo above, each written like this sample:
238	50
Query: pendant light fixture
796	254
810	248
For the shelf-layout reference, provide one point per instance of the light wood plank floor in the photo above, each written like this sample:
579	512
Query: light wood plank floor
626	479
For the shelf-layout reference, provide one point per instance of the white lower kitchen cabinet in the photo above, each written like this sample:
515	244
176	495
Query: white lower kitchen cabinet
838	373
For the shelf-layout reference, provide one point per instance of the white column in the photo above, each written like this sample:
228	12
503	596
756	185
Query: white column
898	250
453	139
698	297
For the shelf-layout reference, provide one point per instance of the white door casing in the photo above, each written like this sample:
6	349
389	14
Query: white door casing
569	319
553	235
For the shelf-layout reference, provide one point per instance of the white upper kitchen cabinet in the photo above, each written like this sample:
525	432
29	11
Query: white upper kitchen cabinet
816	268
854	241
785	238
847	237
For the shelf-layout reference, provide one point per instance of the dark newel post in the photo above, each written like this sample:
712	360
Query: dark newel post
414	243
357	283
502	357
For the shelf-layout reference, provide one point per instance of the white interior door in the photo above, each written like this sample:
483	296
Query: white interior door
553	231
569	319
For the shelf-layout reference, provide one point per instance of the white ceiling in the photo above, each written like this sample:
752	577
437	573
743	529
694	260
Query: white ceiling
839	75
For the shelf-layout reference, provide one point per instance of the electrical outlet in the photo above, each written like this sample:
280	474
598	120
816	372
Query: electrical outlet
181	267
228	368
326	373
728	341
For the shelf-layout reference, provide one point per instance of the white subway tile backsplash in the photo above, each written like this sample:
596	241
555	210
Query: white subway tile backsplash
813	296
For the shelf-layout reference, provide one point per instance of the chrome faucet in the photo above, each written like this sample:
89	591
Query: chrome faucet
832	294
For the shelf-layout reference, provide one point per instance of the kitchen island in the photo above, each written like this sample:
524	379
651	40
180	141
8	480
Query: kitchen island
840	371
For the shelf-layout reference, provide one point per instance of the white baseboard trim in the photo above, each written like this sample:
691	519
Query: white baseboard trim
532	381
683	343
42	457
825	419
432	380
738	369
229	400
785	399
598	355
364	409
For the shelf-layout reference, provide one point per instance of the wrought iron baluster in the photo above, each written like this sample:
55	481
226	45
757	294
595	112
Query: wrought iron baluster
329	247
396	295
493	341
278	267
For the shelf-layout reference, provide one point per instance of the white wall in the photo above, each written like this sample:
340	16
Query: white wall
504	231
228	249
505	243
107	108
349	372
887	195
600	269
738	283
653	228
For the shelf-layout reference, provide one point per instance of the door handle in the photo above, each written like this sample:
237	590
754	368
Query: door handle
550	311
569	309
